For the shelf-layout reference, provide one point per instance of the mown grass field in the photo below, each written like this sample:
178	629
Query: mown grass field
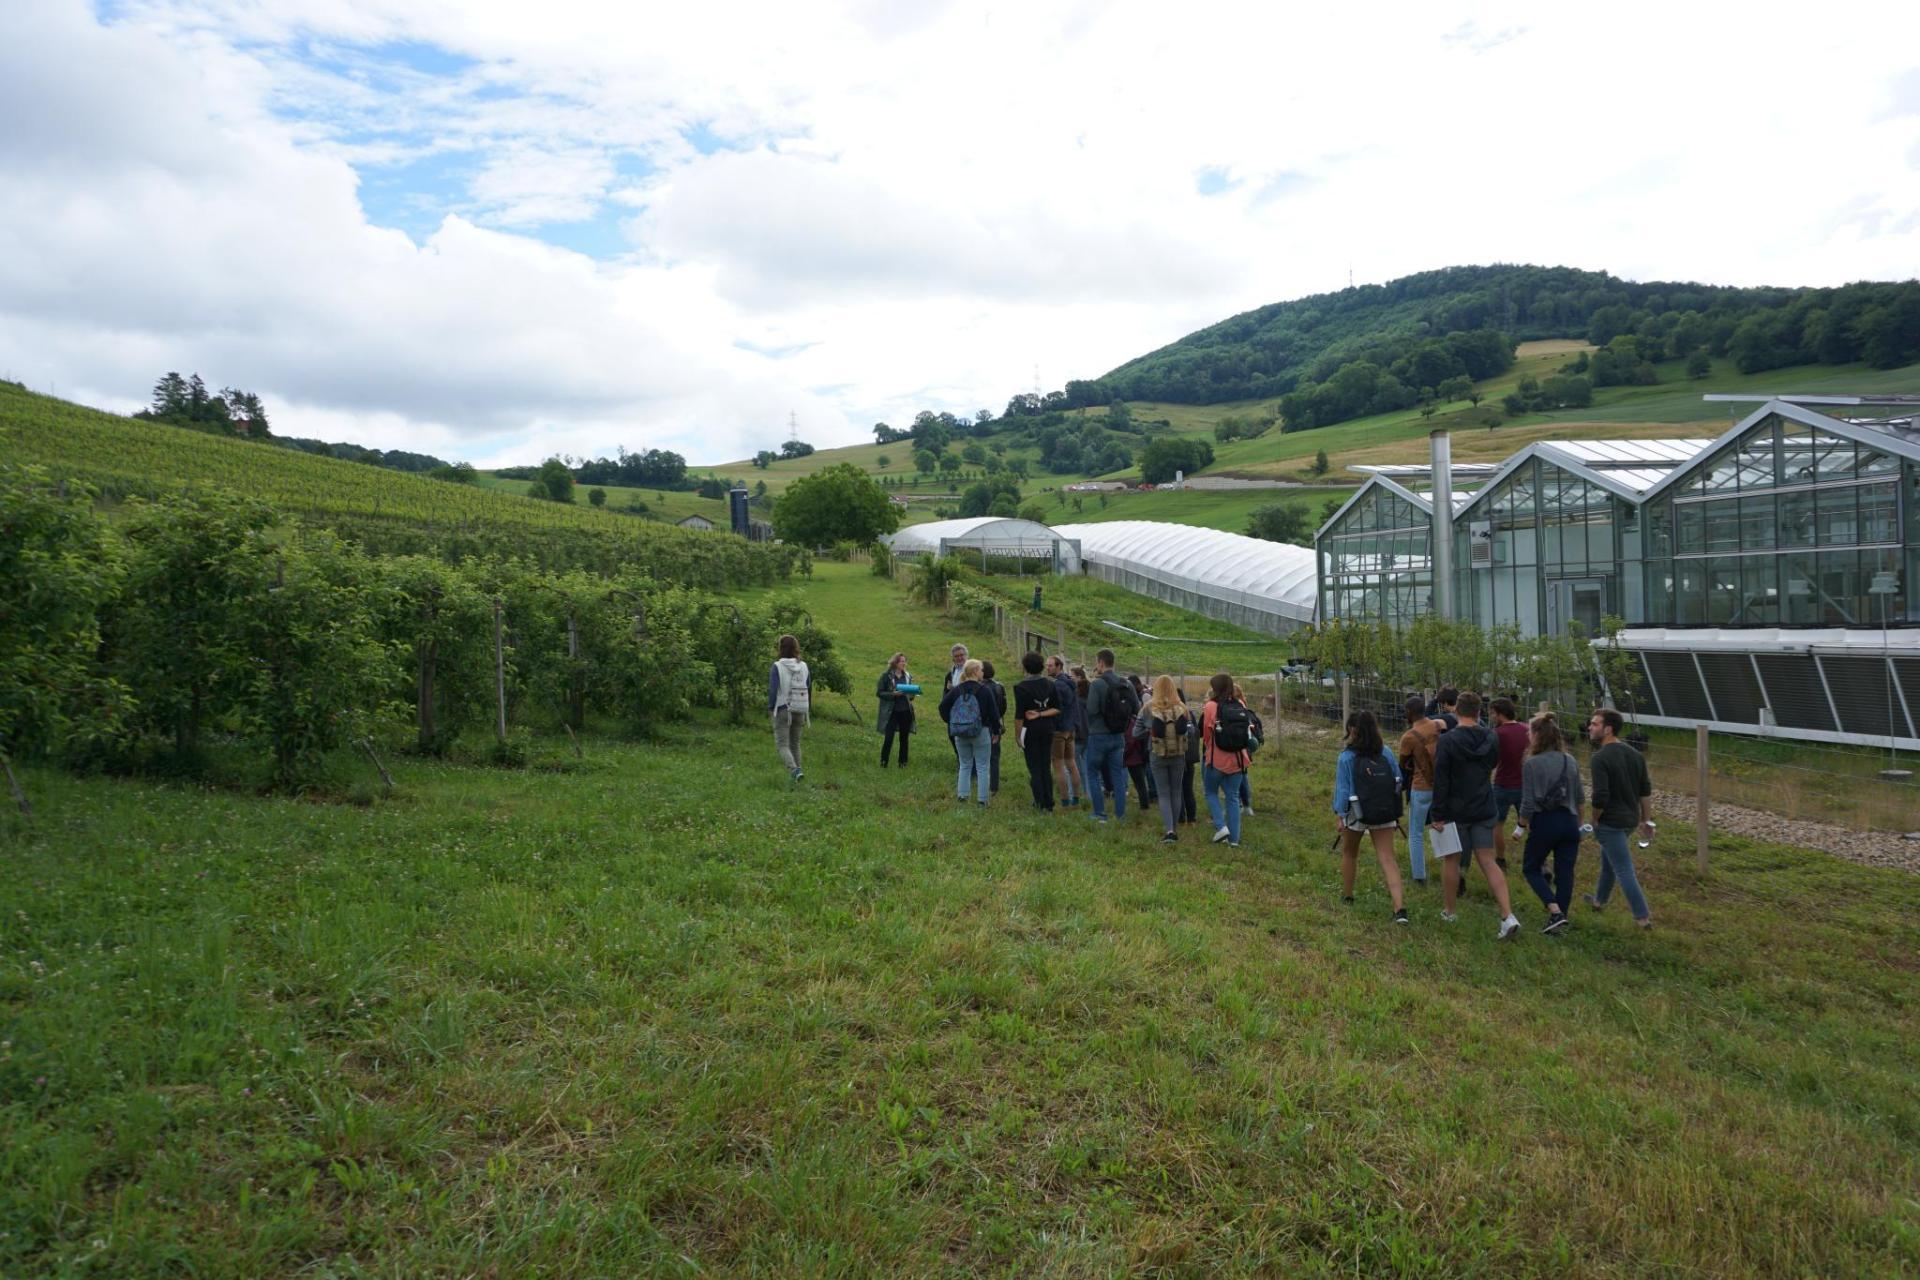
1207	508
662	1013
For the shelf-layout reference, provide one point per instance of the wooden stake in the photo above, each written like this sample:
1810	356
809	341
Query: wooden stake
366	745
19	796
499	677
574	738
1700	802
1346	700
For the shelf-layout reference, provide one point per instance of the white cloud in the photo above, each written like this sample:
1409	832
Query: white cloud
911	206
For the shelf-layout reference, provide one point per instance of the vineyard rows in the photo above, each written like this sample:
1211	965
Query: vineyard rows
386	512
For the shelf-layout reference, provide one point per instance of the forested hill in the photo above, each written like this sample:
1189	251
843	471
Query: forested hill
1274	349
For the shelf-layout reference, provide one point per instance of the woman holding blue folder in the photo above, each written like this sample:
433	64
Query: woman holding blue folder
895	692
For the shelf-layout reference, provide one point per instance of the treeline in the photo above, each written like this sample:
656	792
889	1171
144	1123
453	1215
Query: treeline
1273	350
1397	374
186	402
195	637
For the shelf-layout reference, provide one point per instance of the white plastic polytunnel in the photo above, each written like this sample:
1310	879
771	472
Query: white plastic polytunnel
1264	586
988	536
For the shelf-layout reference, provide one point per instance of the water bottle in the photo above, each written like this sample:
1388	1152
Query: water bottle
1519	832
1353	812
1646	836
1586	829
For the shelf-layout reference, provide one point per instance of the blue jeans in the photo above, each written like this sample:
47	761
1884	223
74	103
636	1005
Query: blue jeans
976	761
1555	833
1105	770
1616	863
1223	788
1246	790
1417	831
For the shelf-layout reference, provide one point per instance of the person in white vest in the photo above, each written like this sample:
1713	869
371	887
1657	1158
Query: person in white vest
789	700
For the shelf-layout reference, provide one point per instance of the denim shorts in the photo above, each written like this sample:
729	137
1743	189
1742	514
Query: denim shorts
1505	800
1476	835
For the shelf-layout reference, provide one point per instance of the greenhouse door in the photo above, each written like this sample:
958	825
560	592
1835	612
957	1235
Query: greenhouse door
1581	600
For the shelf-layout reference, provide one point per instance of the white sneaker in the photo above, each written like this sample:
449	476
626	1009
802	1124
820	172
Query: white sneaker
1509	927
1246	811
1220	835
1448	916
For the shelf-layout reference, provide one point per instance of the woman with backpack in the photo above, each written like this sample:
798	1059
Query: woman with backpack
1082	729
1163	728
1550	800
1226	732
789	695
973	722
1257	738
896	709
1366	797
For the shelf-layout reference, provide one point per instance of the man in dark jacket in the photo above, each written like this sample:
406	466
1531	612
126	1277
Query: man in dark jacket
1463	761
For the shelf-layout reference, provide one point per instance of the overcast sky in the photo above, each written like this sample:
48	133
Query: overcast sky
495	231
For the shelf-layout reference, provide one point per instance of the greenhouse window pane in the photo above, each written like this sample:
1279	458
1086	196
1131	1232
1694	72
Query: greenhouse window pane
1841	589
1691	534
1833	457
1796	454
1760	590
1756	460
1877	513
1723	590
1837	522
1799	590
1723	472
1796	519
1723	524
1757	523
1875	463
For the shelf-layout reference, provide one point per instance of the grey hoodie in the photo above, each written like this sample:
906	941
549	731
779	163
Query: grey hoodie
1463	761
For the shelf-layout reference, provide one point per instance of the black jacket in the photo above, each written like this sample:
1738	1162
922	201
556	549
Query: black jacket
1463	761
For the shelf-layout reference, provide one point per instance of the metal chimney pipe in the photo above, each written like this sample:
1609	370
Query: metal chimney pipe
1442	446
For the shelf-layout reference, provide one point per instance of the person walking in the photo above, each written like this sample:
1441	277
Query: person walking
1111	708
1442	708
1165	727
1366	798
999	692
973	722
1066	700
1416	770
1082	729
1622	799
959	656
1189	794
1463	796
1035	717
789	698
1256	738
1550	799
1136	749
896	709
1226	729
1514	739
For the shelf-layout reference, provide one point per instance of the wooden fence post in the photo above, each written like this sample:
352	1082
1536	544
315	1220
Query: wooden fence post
576	687
1346	700
499	677
1700	802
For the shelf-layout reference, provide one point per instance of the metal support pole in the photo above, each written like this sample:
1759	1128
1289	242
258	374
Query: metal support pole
1346	700
1700	734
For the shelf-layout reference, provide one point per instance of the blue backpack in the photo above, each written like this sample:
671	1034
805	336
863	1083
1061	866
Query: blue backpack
964	720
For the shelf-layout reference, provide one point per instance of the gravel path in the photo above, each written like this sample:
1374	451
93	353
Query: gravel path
1870	848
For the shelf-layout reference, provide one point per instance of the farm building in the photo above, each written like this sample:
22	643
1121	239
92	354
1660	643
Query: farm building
694	522
1765	576
1264	586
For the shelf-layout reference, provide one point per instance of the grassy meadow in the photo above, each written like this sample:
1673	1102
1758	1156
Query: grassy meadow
658	1011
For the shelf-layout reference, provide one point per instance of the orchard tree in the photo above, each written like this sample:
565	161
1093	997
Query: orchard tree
883	462
840	503
924	461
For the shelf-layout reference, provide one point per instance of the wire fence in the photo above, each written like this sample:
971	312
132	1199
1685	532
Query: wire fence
1855	788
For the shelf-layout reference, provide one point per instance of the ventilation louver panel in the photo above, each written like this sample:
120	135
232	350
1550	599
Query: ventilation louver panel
1678	683
1730	679
1794	690
1864	696
1907	672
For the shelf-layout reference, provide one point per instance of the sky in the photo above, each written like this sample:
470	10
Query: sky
496	231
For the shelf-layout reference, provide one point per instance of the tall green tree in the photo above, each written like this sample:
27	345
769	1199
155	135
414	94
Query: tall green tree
555	481
840	503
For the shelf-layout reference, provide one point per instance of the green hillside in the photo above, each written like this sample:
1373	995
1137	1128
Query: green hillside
1278	348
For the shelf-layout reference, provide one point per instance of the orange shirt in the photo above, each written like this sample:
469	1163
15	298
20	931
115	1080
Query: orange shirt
1225	762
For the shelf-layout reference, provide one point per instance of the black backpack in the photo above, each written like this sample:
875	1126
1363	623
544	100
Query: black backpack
1379	794
1232	726
1121	706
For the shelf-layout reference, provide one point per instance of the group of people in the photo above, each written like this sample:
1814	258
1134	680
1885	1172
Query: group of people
1085	736
1460	778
